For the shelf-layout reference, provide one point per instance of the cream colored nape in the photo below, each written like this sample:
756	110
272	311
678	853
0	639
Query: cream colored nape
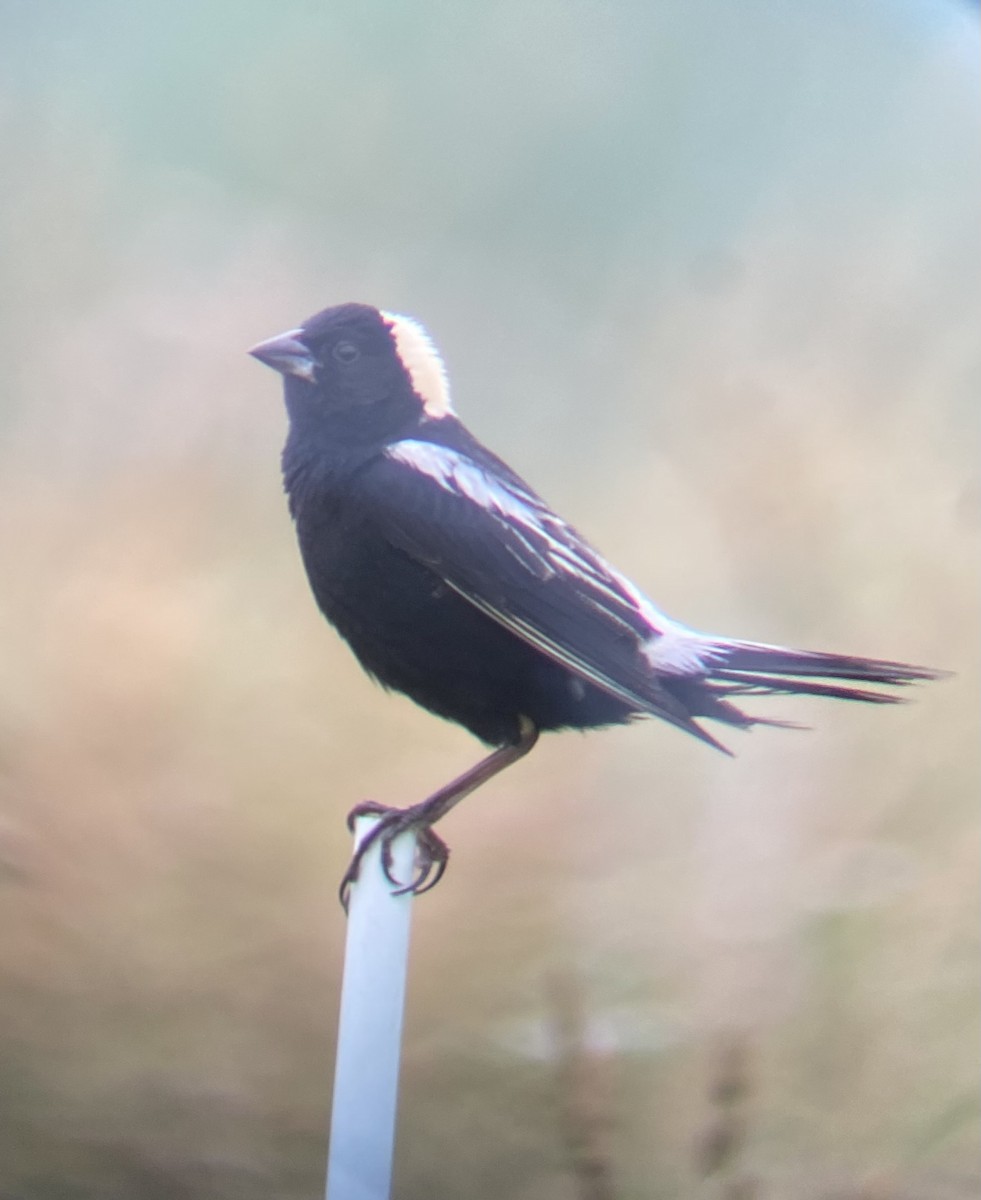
421	359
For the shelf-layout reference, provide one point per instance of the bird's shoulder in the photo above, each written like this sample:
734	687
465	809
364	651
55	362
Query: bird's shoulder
441	470
447	448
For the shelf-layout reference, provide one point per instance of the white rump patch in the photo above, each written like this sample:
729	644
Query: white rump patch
678	650
421	359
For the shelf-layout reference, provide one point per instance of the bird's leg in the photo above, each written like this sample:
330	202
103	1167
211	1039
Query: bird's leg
432	853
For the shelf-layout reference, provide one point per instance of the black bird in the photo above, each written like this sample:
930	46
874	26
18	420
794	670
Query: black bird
455	583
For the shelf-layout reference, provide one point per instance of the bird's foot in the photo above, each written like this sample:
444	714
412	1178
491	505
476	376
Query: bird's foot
432	853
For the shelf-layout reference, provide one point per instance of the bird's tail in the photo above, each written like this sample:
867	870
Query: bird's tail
733	669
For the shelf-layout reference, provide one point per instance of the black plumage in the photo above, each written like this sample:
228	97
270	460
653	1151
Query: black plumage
455	583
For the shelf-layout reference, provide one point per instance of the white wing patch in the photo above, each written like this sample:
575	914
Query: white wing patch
669	648
455	472
422	361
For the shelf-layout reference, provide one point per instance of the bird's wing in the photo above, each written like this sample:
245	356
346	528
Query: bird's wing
497	544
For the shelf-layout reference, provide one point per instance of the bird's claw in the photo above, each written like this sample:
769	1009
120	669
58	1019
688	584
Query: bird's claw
368	808
432	853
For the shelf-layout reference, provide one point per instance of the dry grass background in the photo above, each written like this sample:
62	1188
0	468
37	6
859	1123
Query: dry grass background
769	965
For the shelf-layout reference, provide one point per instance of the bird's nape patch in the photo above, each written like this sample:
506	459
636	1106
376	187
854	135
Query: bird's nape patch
422	362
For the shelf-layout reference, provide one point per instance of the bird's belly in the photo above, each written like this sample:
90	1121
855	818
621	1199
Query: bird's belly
413	633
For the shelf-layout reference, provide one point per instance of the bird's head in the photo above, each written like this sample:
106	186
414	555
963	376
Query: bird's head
359	370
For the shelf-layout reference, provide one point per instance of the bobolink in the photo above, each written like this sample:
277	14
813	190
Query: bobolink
455	583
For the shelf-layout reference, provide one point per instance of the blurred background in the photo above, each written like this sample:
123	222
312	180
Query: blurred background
707	274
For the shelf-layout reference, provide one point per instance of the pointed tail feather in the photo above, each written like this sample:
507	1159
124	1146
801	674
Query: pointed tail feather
734	669
757	658
742	683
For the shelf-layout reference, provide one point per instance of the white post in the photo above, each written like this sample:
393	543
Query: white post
362	1122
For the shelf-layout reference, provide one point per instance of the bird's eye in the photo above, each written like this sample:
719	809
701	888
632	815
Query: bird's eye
346	352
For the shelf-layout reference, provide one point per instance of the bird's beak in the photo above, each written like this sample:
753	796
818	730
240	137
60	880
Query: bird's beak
287	354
